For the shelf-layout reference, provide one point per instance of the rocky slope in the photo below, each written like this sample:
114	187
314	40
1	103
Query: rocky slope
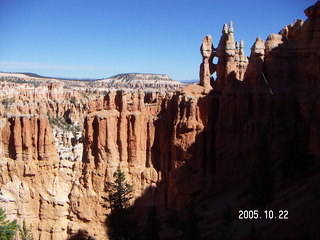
121	81
197	145
138	81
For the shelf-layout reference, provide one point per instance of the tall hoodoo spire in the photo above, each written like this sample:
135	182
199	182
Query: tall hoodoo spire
207	68
225	29
232	62
230	30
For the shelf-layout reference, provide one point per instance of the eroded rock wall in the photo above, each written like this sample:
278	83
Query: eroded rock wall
173	147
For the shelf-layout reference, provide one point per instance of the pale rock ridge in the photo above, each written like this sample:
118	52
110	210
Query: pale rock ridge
138	81
174	147
125	81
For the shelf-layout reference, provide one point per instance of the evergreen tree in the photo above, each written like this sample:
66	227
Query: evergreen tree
119	195
7	228
120	192
25	232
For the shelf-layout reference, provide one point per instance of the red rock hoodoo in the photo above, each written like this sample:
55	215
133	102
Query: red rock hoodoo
61	143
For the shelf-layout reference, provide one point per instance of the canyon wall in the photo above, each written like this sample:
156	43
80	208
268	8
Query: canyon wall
52	175
59	146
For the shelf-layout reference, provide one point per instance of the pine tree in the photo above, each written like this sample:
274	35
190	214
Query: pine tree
7	228
25	232
120	193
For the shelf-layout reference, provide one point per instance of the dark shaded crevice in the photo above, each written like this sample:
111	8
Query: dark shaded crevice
12	150
38	143
94	146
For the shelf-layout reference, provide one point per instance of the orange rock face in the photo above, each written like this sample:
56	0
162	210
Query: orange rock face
121	134
174	147
28	138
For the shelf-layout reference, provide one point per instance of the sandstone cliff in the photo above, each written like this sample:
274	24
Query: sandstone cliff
192	145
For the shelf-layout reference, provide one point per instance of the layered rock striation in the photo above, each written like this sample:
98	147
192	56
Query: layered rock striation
138	81
195	145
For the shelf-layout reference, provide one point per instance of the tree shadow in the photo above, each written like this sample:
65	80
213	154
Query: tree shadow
81	235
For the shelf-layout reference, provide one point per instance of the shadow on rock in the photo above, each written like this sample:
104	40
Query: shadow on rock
81	235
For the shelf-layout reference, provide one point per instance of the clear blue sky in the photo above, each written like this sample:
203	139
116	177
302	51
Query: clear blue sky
100	38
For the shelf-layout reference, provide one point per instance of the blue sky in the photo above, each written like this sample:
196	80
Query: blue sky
101	38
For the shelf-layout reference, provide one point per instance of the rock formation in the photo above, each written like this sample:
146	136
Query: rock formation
60	144
255	68
232	62
120	81
207	68
28	138
138	81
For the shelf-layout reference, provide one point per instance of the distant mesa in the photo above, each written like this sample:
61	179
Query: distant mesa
119	81
190	81
139	80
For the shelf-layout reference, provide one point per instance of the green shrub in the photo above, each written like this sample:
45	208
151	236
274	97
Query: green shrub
25	232
6	102
7	228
